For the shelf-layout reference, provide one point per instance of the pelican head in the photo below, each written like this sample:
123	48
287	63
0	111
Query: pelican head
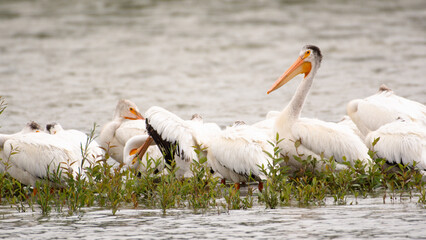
307	63
31	127
128	110
53	127
197	117
239	123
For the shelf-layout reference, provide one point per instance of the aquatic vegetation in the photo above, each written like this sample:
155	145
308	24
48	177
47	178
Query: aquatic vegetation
116	187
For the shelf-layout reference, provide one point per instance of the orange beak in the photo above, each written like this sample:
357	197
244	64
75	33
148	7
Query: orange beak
137	114
298	67
141	150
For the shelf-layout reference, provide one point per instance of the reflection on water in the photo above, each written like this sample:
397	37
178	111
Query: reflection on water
70	61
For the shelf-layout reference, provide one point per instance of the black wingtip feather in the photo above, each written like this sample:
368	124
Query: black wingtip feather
165	146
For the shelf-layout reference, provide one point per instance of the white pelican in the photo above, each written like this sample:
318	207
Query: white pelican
238	152
29	127
314	137
178	138
37	155
400	142
384	107
127	122
235	153
130	154
91	151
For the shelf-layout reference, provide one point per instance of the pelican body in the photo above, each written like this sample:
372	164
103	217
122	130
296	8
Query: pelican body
78	141
37	155
127	122
177	138
400	142
29	128
384	107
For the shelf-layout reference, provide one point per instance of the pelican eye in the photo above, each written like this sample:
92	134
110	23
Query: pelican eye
307	53
131	109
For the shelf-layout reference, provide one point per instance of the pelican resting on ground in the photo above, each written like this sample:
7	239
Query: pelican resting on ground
127	122
235	153
314	137
38	155
238	153
398	124
400	142
29	128
88	149
384	107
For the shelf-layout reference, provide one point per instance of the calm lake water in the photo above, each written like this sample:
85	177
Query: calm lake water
71	61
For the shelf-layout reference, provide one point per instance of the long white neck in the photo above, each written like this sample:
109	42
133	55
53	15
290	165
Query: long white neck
292	111
296	103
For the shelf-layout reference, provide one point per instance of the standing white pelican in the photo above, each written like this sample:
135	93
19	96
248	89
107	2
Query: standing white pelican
235	153
38	155
133	161
91	151
127	122
316	138
384	107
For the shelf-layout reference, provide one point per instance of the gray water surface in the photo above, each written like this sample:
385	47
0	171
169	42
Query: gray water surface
369	219
70	62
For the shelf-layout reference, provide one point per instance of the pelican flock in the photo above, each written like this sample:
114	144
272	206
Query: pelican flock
391	126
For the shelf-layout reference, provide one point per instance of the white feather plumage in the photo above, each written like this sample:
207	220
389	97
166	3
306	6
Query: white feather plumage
316	138
400	142
384	107
234	153
127	122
